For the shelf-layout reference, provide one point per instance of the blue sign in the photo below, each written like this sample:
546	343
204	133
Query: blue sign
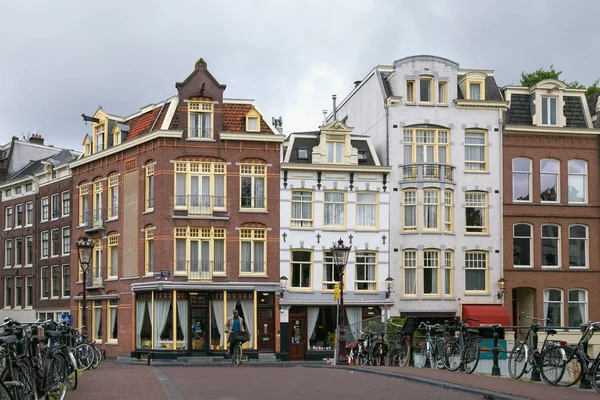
487	346
66	318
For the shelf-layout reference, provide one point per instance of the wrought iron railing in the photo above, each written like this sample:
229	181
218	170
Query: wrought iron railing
427	172
200	205
254	202
199	270
94	219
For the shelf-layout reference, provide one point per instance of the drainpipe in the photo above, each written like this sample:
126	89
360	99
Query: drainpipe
387	134
500	132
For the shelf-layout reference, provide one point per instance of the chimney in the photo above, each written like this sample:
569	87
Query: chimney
36	138
324	117
334	97
356	83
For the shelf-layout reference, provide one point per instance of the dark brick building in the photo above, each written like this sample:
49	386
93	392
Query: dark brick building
182	202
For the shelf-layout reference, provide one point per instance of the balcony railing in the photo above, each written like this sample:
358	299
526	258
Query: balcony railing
200	270
253	202
203	133
93	281
199	205
249	267
94	220
427	172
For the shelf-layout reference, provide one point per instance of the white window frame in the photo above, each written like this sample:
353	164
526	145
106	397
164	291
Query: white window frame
558	246
66	203
63	268
530	238
576	174
17	208
301	198
556	176
42	270
472	200
472	140
28	297
58	270
410	264
370	262
548	301
549	107
585	315
45	209
18	298
52	210
63	241
8	253
529	174
8	218
29	260
585	240
475	265
18	252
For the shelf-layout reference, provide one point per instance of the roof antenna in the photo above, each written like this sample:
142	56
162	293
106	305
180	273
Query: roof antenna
334	97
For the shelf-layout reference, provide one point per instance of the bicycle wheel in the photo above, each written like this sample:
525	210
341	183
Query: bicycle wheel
471	357
54	379
596	377
236	358
403	354
4	394
557	368
517	360
453	359
84	354
19	379
440	350
420	356
97	357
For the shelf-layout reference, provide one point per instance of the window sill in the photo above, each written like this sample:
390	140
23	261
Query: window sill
334	228
253	276
54	219
371	292
577	204
28	308
367	229
443	105
550	203
7	308
54	256
17	266
112	279
112	219
66	215
43	221
148	211
18	227
551	268
477	172
522	267
129	278
65	297
147	276
482	294
28	266
255	211
7	267
44	298
28	225
66	254
300	290
111	343
477	234
571	268
54	298
7	229
420	104
195	139
412	104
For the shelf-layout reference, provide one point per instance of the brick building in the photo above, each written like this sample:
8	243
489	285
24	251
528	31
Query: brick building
551	205
182	202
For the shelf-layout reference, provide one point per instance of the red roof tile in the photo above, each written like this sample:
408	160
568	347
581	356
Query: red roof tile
141	124
234	118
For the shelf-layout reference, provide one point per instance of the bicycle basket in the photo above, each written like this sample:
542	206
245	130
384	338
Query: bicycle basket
241	337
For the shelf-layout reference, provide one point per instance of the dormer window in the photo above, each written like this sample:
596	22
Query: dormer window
335	149
442	93
99	133
475	89
117	137
252	124
200	120
302	154
425	89
88	149
549	110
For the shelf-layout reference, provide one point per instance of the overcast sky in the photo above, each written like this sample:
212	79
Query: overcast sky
59	59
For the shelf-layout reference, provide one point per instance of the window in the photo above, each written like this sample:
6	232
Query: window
66	280
366	267
113	196
84	204
442	93
66	240
97	263
97	320
99	131
476	212
253	186
549	110
28	214
117	136
200	120
149	251
66	203
475	151
335	149
476	267
431	271
45	209
425	89
29	250
253	124
426	145
55	248
578	313
113	256
302	208
448	210
18	190
550	246
55	206
366	210
197	249
553	306
549	180
410	91
331	274
8	256
521	183
44	282
301	269
8	292
334	209
522	245
113	328
8	193
97	216
194	183
29	187
409	205
578	247
55	280
474	89
409	268
29	291
431	209
149	187
19	251
577	181
19	209
18	291
8	213
448	275
302	154
253	251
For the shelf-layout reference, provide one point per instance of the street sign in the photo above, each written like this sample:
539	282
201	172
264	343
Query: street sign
165	273
336	291
66	318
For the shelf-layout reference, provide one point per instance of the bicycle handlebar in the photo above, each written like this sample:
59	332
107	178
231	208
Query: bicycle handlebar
534	318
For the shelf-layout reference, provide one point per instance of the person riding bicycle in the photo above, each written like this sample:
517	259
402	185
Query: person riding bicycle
235	323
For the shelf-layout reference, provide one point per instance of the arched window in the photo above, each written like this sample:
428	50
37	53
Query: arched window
578	307
522	245
578	246
521	170
553	307
577	181
550	246
549	180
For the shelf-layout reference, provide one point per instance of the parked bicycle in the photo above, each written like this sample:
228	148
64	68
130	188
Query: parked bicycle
432	349
401	342
464	351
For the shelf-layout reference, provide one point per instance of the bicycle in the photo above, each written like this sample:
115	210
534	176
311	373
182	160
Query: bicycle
237	339
401	344
431	349
464	351
523	355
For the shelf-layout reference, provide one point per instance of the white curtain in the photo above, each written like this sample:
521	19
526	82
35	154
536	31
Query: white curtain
366	209
98	322
354	321
334	209
339	152
259	192
140	311
113	320
313	315
582	303
246	256
259	257
410	280
248	309
329	152
219	200
161	313
217	306
182	312
180	189
219	255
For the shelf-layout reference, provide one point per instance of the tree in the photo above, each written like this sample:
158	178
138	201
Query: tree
532	78
595	88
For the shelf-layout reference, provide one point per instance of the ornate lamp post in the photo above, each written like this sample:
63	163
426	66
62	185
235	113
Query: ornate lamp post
84	251
389	281
340	260
283	285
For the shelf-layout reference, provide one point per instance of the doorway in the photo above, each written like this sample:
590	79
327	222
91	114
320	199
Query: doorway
297	338
266	323
523	300
198	323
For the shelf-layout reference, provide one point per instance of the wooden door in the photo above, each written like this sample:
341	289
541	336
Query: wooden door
297	338
266	329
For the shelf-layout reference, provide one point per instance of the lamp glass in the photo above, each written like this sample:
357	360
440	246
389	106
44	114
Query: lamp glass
340	253
84	249
283	281
390	282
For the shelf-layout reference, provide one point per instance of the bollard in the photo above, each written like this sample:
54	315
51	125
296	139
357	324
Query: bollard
495	352
148	359
535	372
585	383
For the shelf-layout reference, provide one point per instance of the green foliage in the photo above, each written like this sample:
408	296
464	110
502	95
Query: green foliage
595	88
532	78
331	339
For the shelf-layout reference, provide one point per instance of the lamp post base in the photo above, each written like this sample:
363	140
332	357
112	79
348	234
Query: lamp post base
341	353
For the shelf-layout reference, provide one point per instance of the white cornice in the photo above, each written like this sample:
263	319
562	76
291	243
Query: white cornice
252	137
27	178
335	168
127	145
464	103
548	130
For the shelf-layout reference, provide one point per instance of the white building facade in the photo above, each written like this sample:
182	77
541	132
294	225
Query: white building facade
439	128
333	186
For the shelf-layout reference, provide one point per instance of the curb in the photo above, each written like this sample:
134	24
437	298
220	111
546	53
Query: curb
487	394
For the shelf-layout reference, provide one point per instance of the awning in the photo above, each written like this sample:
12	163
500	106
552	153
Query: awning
486	314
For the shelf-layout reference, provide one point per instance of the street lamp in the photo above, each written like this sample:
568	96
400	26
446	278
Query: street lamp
84	251
340	260
501	283
389	281
283	284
